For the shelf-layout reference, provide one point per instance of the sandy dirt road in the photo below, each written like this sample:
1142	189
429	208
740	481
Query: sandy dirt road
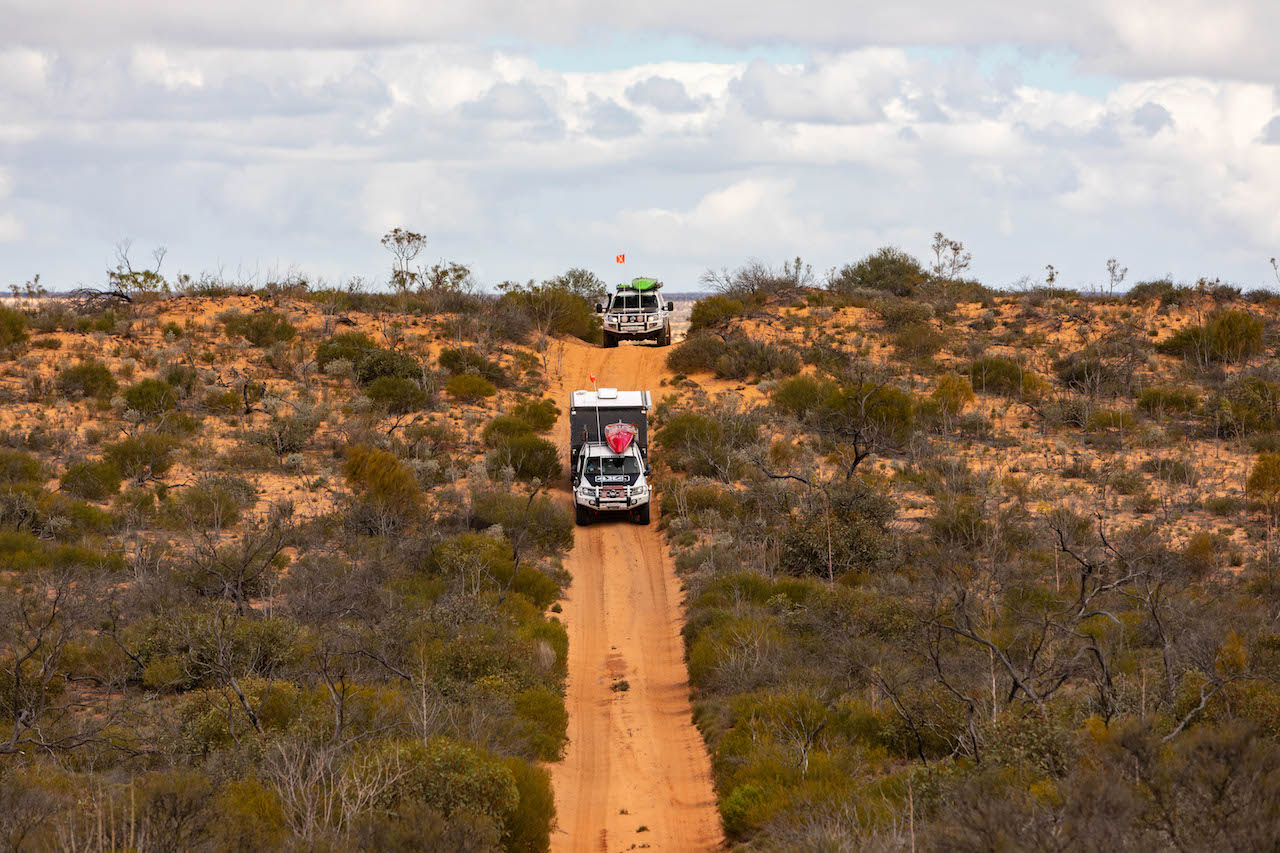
634	758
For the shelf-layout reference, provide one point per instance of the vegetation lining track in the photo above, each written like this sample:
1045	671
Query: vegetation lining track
634	758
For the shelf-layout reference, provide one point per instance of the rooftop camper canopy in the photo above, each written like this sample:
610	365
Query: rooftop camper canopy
591	412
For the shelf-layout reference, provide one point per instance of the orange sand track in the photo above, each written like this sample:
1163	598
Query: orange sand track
634	758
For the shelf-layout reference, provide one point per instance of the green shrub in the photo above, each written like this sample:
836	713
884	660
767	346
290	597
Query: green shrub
550	525
1112	419
150	397
18	467
215	502
739	358
563	305
13	331
1228	336
897	314
1004	376
347	346
504	427
383	362
540	415
262	329
952	394
469	388
918	340
1160	401
397	395
528	828
446	775
696	353
184	380
285	434
853	539
801	395
250	817
141	457
87	379
382	478
714	310
92	481
460	360
530	456
889	269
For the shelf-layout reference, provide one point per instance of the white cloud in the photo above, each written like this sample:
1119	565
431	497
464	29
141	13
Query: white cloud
663	94
307	155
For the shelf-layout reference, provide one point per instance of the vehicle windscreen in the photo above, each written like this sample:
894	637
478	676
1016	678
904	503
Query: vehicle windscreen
597	465
634	302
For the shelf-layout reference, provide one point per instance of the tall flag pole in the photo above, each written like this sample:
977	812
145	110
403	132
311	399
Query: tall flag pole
599	430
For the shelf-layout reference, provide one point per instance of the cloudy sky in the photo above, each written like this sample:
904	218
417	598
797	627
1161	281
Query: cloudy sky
251	137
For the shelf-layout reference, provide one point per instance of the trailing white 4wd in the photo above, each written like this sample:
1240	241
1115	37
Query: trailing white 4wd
636	312
609	454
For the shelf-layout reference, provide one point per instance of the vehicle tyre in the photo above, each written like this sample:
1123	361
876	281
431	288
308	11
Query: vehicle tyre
610	340
664	337
581	515
642	515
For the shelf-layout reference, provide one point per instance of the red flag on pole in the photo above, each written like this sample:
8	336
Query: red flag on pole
592	377
622	259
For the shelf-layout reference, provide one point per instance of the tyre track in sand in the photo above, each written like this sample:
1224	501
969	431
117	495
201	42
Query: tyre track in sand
634	757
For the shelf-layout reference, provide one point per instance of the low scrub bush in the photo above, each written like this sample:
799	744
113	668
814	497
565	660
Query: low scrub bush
92	481
1112	419
214	502
549	525
397	395
1228	336
540	415
285	434
13	331
888	269
87	379
382	478
262	329
384	362
17	466
351	347
469	388
714	310
504	427
918	340
897	314
1003	376
150	397
142	457
1158	402
738	358
529	456
461	360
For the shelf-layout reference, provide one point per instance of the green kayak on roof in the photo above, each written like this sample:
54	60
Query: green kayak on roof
641	284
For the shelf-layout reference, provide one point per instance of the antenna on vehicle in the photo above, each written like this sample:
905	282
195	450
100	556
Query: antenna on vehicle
599	430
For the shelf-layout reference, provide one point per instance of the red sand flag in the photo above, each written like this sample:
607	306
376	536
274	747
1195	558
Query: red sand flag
622	259
592	377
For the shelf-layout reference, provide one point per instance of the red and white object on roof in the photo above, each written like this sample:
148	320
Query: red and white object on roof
619	436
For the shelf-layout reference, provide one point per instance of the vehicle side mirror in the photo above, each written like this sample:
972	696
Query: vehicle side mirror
599	308
671	306
648	470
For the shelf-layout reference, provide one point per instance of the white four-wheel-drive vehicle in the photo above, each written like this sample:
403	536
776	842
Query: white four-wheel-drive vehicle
636	312
609	454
